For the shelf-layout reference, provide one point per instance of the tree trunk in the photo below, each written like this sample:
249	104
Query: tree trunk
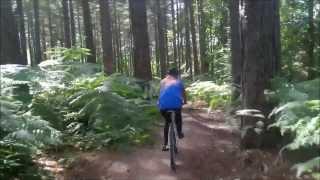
96	32
317	37
156	39
114	27
223	35
311	41
261	46
30	37
161	36
22	32
138	15
194	40
236	53
174	43
187	36
88	31
79	24
72	24
66	23
276	65
43	41
180	35
260	39
118	56
203	38
9	37
52	39
165	27
120	53
37	42
106	37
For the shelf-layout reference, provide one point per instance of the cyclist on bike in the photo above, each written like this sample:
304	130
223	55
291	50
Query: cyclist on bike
172	97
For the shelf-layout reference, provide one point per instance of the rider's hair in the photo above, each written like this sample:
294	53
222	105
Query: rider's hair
173	72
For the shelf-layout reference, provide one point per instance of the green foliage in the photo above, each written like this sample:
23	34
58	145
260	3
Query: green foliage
307	166
294	39
301	91
19	81
214	20
221	67
124	86
69	103
22	81
72	69
52	105
16	161
68	54
215	95
132	88
301	118
219	101
98	111
21	85
24	127
299	115
21	135
47	107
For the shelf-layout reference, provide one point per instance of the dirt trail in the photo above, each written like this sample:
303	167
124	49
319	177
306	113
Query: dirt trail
209	151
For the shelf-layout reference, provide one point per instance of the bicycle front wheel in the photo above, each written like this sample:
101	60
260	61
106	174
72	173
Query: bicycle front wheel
172	139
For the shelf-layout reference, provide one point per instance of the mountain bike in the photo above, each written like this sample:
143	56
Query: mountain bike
173	140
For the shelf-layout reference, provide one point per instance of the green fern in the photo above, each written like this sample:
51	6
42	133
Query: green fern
308	166
94	109
71	103
68	54
16	161
301	91
124	86
307	133
49	75
215	95
299	115
23	127
21	135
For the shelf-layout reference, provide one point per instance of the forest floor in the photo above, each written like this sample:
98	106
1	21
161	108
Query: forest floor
209	151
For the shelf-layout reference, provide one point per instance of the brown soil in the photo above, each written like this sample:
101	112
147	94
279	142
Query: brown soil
209	151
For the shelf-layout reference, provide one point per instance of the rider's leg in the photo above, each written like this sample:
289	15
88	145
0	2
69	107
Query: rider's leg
179	123
166	116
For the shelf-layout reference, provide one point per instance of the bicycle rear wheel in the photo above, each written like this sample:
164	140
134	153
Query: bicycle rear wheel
173	148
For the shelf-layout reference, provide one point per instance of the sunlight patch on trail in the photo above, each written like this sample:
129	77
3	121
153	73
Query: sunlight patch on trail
165	177
119	167
166	161
150	165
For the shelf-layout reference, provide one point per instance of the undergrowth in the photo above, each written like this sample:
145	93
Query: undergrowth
95	110
22	135
298	115
68	103
216	96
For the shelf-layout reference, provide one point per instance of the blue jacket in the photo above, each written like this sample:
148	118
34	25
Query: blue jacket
171	94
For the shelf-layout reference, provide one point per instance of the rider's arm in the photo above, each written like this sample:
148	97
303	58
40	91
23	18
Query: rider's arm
184	94
162	83
161	88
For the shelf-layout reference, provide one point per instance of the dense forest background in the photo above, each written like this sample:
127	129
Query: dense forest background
76	72
192	35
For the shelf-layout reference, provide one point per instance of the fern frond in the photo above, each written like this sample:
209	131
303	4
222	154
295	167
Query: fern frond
307	166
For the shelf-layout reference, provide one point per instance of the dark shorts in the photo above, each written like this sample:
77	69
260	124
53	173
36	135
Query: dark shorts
167	116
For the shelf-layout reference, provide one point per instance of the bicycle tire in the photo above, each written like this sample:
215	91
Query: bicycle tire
172	147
